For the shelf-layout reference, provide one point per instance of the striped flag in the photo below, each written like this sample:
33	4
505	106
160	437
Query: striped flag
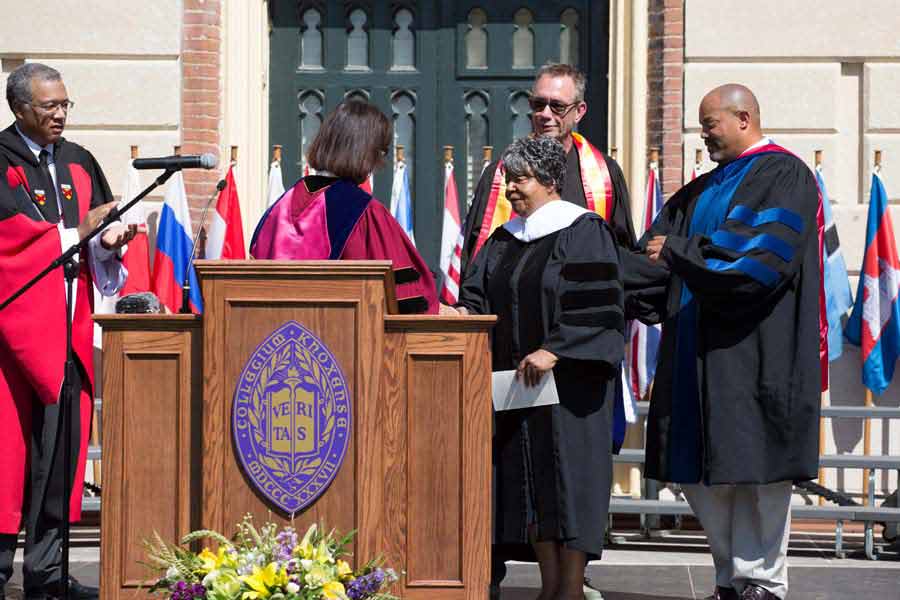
874	324
838	298
276	183
401	204
640	362
451	239
173	250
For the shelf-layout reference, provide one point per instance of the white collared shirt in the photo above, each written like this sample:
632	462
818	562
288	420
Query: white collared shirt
550	218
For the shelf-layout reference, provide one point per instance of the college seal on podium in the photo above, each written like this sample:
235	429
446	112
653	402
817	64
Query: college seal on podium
291	417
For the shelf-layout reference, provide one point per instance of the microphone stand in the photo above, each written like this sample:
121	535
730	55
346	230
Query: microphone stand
69	395
186	284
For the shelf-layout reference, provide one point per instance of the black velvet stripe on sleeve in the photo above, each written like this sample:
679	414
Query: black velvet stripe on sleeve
578	299
405	275
590	271
607	319
413	305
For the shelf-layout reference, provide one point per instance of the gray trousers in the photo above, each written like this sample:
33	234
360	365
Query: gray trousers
748	527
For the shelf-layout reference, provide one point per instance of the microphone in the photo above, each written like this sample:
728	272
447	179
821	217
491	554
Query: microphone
186	284
176	163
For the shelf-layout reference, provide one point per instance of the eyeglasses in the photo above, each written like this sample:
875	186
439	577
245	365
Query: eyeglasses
52	107
560	109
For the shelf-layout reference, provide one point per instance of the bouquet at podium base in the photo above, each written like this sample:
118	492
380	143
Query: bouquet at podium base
266	564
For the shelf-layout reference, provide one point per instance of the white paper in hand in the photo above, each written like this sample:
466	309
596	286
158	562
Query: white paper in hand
510	393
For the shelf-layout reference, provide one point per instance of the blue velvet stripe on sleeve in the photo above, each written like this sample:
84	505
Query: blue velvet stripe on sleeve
751	267
750	217
763	241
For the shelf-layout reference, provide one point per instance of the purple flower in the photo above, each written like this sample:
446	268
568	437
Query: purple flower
366	586
286	540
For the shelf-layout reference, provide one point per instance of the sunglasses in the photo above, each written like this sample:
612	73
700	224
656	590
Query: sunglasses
558	108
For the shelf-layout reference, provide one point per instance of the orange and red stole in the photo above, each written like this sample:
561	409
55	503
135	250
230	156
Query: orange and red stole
594	177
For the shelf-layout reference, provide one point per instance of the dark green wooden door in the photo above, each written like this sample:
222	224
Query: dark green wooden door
447	73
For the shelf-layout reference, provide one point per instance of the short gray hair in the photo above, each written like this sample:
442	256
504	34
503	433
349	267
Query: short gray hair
18	85
552	69
541	157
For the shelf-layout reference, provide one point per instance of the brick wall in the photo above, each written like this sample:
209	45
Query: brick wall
201	100
665	87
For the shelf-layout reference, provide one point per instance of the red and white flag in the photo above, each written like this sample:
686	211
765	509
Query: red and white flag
451	239
640	361
226	231
137	254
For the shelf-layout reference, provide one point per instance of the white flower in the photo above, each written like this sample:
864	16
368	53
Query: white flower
171	573
306	564
292	588
210	578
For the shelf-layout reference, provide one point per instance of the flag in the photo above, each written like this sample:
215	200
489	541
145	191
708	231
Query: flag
173	250
451	239
401	204
875	321
838	299
640	362
276	183
137	254
226	231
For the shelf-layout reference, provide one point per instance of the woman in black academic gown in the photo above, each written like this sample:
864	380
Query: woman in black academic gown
551	275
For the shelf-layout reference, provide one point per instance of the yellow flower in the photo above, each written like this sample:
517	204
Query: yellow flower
212	561
334	590
305	548
323	554
262	581
343	569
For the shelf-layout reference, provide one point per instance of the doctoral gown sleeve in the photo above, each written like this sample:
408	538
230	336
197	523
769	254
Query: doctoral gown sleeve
107	270
473	291
378	236
759	248
587	319
475	215
32	329
620	219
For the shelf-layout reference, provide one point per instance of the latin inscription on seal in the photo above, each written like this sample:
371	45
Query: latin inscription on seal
291	417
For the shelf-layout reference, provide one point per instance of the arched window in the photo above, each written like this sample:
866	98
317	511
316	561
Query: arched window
476	40
361	95
357	41
523	40
521	114
311	40
477	136
403	105
568	37
310	104
404	41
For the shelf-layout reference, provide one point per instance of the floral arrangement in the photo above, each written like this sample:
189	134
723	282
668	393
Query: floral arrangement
266	563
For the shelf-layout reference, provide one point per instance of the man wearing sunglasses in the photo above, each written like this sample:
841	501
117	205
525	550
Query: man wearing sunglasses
593	180
52	194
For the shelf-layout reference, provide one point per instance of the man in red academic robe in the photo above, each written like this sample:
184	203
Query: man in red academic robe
52	194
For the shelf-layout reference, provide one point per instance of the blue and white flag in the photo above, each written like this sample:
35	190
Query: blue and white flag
838	297
401	203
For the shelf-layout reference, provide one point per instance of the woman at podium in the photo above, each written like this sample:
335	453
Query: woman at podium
551	275
328	216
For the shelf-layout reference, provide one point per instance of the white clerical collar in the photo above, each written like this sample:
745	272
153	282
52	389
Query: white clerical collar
34	146
550	218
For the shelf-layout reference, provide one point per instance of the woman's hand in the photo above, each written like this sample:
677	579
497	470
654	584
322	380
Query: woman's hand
533	366
447	311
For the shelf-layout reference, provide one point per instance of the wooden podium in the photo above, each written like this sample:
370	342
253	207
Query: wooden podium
415	479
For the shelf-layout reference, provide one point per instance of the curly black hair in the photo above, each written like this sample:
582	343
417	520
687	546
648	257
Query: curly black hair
540	157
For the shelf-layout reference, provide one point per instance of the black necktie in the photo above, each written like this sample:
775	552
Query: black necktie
50	207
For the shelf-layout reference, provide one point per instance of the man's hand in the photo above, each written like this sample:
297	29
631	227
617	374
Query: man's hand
446	310
533	366
655	246
93	218
117	235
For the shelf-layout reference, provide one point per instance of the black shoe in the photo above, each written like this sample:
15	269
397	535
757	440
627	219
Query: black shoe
494	592
755	592
77	591
724	593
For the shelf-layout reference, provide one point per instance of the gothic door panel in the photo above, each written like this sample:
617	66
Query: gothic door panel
447	73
